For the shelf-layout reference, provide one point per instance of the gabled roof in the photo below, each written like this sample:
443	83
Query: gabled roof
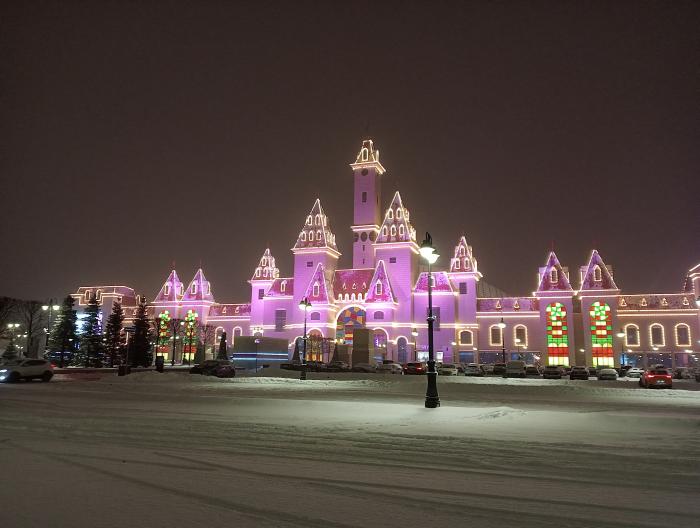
319	277
351	281
589	274
441	282
171	291
380	277
199	289
463	260
281	287
316	232
562	281
396	226
266	269
368	156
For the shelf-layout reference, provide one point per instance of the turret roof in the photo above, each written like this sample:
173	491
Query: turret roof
316	232
396	226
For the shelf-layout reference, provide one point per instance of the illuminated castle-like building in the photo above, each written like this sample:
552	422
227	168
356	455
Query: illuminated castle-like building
567	319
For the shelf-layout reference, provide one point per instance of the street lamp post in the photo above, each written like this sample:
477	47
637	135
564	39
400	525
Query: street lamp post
414	333
502	326
621	334
304	305
50	308
427	251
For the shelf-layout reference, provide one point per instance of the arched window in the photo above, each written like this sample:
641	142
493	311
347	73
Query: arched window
317	289
461	251
98	295
309	220
318	235
378	315
384	231
401	230
402	349
311	236
378	289
557	334
88	294
631	335
597	274
520	336
466	337
682	335
398	212
364	154
315	316
393	230
217	335
554	276
601	333
283	286
390	214
656	335
495	335
303	236
318	219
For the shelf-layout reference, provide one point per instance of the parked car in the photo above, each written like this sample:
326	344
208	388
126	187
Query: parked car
579	373
389	368
474	369
415	368
622	371
364	367
532	370
26	369
206	367
448	369
553	372
592	371
338	366
697	375
499	369
656	377
634	372
515	369
488	369
607	374
567	369
225	369
682	373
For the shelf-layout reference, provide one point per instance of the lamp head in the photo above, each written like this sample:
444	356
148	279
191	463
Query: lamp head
426	248
304	304
620	334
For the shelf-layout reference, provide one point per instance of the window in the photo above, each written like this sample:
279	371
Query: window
554	276
682	335
557	334
283	286
88	293
315	316
436	317
309	220
309	263
392	260
364	154
393	230
318	235
261	294
378	289
208	288
495	336
316	290
456	263
401	230
384	231
311	236
98	295
466	337
280	319
461	251
597	274
632	335
194	288
520	336
379	315
390	214
303	236
398	213
166	290
364	197
462	287
601	333
318	219
656	335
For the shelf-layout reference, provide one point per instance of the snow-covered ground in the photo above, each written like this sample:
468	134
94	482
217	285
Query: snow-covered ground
343	450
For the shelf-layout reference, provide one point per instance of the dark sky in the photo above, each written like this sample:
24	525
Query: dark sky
134	134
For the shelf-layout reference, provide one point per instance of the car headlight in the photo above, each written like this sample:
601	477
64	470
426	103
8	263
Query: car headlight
3	370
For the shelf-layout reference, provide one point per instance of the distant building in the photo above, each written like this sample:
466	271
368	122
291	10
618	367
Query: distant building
386	291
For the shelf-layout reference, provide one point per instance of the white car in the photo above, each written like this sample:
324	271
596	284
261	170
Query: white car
607	374
448	369
27	369
389	368
634	373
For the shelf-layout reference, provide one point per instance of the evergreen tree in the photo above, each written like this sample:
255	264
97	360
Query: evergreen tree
63	338
140	351
11	353
114	337
91	349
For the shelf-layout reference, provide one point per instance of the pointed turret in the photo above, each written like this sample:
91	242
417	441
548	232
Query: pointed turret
379	287
463	260
171	291
199	289
367	173
553	277
316	233
596	275
266	269
368	157
317	289
396	226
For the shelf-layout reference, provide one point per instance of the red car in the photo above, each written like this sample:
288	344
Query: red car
415	368
656	377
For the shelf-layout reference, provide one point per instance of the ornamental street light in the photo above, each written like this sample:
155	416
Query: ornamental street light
304	305
621	334
50	308
502	326
427	251
414	333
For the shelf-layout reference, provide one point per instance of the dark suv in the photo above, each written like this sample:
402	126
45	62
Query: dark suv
553	372
579	373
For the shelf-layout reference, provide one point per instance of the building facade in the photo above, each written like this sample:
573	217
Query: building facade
579	317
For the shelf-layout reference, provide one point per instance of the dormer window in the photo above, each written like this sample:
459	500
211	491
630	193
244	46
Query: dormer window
597	274
401	230
311	236
303	236
393	230
194	289
166	290
318	219
378	289
398	213
554	276
390	214
179	289
461	251
309	220
316	290
384	231
456	263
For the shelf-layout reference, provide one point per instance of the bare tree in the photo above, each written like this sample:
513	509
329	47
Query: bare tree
31	319
7	310
206	334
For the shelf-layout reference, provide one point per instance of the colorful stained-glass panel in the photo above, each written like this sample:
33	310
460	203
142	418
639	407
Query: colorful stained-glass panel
601	334
348	320
557	335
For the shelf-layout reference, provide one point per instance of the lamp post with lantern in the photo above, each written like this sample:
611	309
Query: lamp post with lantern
49	308
304	305
502	326
427	251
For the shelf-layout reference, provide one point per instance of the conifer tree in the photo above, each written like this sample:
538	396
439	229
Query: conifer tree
140	351
63	338
114	337
91	349
11	353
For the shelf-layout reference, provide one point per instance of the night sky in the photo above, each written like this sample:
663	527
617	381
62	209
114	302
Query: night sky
136	134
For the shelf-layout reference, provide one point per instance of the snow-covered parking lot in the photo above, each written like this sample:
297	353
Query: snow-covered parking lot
347	450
